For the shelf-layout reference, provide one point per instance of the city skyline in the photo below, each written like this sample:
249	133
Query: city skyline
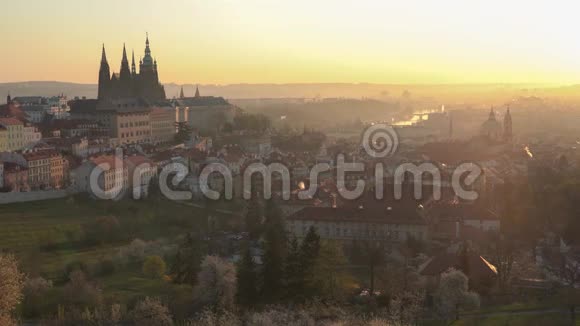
221	42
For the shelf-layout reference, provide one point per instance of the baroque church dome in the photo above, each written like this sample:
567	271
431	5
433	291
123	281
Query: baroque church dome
491	128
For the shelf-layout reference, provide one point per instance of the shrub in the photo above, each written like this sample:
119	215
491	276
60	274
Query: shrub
35	290
73	266
134	252
154	267
80	292
103	229
106	267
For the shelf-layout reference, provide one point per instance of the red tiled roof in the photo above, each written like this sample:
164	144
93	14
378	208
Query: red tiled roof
386	214
137	160
110	159
10	167
35	156
10	121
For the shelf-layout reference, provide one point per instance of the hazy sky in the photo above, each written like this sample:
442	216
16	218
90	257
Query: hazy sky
270	41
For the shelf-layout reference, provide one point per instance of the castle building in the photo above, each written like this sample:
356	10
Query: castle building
203	113
128	82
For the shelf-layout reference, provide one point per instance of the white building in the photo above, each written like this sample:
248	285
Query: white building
31	136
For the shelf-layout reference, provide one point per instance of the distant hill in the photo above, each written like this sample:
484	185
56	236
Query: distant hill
443	93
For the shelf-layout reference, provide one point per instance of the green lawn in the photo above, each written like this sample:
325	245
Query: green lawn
26	228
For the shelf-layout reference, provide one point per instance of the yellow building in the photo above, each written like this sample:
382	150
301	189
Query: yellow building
3	139
15	129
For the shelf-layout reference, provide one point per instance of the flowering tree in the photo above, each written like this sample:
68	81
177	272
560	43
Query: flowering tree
453	294
11	283
216	283
151	312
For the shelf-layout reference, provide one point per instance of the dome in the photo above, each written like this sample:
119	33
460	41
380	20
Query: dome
491	128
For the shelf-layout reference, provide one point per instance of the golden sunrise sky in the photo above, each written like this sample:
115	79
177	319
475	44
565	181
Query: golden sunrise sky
288	41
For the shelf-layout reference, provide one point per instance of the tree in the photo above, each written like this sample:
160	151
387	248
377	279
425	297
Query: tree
275	241
34	291
330	278
80	292
567	272
11	284
503	251
309	253
151	312
247	291
216	285
154	267
183	132
453	295
374	253
187	262
254	216
293	273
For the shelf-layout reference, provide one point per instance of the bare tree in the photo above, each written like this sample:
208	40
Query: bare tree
567	272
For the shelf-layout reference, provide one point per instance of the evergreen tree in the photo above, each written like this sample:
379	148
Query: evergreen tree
309	254
247	292
330	278
274	254
254	217
293	273
183	132
186	264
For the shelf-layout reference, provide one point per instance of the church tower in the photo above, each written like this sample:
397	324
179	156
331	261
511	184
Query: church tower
196	91
507	126
104	76
133	68
181	93
125	77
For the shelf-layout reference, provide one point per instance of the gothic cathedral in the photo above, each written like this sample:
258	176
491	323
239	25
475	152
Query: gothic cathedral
128	83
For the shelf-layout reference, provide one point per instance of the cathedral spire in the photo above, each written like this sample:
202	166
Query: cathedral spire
124	59
196	91
133	69
181	93
125	76
507	125
147	49
103	55
104	76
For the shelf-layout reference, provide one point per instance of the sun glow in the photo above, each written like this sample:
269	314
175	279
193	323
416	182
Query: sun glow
222	41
